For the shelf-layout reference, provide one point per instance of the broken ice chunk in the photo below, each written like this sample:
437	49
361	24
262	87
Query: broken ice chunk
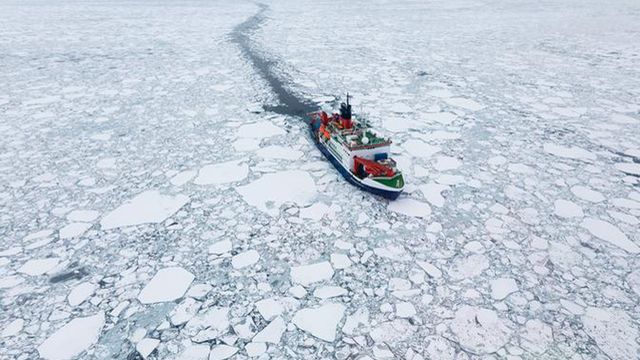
167	285
320	322
308	274
73	338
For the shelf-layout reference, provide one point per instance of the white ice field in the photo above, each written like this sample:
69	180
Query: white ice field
150	209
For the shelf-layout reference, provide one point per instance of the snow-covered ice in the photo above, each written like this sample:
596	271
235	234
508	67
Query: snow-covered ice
230	171
320	322
147	207
272	190
308	274
167	284
72	338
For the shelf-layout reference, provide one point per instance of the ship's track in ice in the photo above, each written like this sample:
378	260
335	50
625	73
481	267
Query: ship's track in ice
289	103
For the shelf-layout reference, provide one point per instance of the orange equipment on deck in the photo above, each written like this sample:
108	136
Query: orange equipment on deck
371	167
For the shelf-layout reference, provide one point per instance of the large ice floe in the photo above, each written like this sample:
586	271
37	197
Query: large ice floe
147	207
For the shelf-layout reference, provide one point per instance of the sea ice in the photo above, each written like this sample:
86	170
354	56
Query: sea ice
572	152
80	293
614	332
245	259
444	163
610	233
220	247
168	284
222	173
183	177
567	209
327	292
320	322
272	333
73	230
444	118
465	103
83	215
587	194
259	130
410	207
36	267
221	352
314	212
13	328
629	168
279	152
272	190
73	338
433	193
146	346
308	274
420	148
148	207
503	287
479	330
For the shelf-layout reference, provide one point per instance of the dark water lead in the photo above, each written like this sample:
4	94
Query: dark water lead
289	103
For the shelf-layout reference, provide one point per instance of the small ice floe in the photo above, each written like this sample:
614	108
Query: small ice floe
480	330
222	173
503	287
567	209
430	269
410	207
419	148
572	152
444	163
73	338
327	292
255	108
433	193
519	168
272	190
468	267
245	259
279	152
183	177
269	308
272	333
73	230
444	118
83	215
340	261
80	293
629	168
109	163
255	349
314	212
246	144
610	233
536	337
587	194
400	108
464	103
320	322
306	275
405	310
35	267
195	352
147	207
221	247
613	330
146	346
259	130
168	284
221	352
13	328
37	235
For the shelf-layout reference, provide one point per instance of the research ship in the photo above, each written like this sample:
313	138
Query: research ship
357	151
